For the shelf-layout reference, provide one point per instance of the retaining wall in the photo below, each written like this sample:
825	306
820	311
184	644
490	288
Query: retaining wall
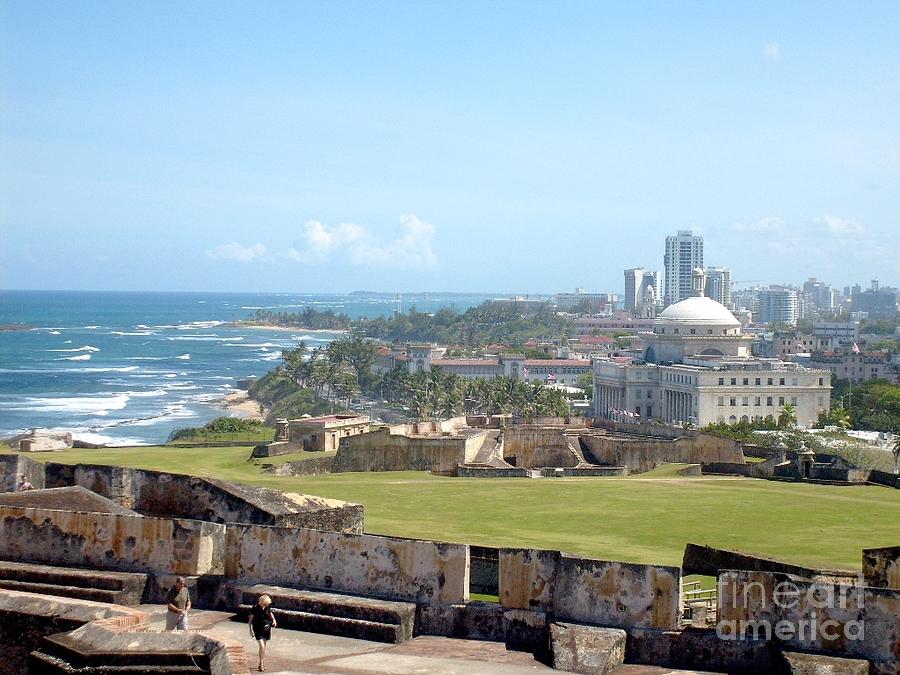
539	446
388	450
643	453
111	541
425	572
881	567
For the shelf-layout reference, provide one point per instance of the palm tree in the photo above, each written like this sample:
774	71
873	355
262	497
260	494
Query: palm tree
788	416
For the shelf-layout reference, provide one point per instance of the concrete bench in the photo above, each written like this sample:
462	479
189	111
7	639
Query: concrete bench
335	613
120	588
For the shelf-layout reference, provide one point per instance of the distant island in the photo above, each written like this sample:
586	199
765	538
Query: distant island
10	327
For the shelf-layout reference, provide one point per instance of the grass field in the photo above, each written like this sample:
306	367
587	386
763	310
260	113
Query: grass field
645	518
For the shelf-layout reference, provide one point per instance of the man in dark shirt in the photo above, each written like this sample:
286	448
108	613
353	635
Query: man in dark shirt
179	603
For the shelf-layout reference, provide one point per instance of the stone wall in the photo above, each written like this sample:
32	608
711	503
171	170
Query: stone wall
161	494
538	447
709	561
12	467
643	453
393	449
881	567
111	541
841	620
425	572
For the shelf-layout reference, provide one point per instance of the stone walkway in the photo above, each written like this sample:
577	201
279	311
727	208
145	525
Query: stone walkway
294	652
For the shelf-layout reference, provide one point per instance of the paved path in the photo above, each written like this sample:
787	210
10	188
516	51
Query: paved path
295	652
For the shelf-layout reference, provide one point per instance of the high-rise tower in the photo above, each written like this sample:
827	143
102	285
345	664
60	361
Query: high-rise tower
684	252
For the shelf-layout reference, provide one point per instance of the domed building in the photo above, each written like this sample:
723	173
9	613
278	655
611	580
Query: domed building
697	368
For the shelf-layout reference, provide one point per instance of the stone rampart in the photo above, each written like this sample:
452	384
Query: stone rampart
709	561
162	494
12	466
538	446
642	453
395	449
111	541
845	620
881	567
419	571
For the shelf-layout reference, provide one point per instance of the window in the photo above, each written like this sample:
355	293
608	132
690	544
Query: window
757	401
781	400
733	401
758	381
745	400
768	400
721	380
746	381
637	409
693	331
793	381
709	331
649	411
733	380
793	400
769	381
721	400
781	381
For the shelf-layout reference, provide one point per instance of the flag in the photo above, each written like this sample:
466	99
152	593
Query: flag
524	372
855	348
551	378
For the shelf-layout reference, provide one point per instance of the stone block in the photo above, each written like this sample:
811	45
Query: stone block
527	578
796	663
617	594
698	649
525	627
589	650
881	567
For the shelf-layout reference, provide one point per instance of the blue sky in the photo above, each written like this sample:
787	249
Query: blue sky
504	146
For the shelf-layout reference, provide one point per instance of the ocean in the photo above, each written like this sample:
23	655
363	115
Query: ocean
130	367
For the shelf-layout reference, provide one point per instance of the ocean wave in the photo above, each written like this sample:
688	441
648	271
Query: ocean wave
198	338
80	357
147	394
55	332
102	439
139	332
86	348
274	356
184	357
79	405
194	325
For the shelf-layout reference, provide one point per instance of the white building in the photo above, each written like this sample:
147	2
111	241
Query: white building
718	285
697	369
638	283
605	302
778	304
684	252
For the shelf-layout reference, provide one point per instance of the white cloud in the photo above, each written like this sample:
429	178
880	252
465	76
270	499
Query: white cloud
772	52
413	245
768	224
235	252
841	225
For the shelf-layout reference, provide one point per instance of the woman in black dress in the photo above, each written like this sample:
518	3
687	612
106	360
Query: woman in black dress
262	621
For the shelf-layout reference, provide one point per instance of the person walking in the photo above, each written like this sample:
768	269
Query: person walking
262	621
178	602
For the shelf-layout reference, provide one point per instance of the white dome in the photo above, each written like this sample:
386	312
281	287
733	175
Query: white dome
696	311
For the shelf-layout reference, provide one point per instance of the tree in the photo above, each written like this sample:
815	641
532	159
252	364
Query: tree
787	418
295	363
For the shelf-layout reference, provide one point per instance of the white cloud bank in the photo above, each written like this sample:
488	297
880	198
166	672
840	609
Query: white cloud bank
841	225
413	246
768	224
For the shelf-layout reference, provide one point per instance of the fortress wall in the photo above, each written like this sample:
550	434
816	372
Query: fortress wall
12	467
617	594
170	495
870	616
111	541
538	447
425	572
641	454
385	451
528	578
881	567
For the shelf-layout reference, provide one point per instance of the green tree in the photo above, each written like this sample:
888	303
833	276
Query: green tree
787	418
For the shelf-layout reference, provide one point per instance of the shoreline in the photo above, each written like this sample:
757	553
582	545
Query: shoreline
241	405
288	329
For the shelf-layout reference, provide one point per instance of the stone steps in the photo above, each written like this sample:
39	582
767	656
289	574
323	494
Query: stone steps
122	588
78	592
335	614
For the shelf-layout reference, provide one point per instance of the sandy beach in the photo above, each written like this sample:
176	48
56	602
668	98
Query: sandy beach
239	404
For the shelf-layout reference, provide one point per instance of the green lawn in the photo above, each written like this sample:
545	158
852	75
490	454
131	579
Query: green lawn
644	518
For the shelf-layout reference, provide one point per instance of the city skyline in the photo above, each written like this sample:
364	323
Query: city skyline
521	148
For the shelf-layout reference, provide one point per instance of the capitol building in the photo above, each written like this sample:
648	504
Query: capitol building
697	368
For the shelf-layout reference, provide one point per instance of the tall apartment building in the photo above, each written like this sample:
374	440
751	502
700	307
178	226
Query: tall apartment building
718	285
778	304
876	302
684	252
637	281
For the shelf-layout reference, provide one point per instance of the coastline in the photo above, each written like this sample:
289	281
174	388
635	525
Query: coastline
287	329
239	404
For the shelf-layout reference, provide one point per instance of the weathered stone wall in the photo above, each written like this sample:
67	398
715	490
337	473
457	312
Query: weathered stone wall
709	561
538	446
617	594
725	468
304	467
425	572
12	467
881	567
157	493
383	450
643	453
491	472
528	578
854	621
111	541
